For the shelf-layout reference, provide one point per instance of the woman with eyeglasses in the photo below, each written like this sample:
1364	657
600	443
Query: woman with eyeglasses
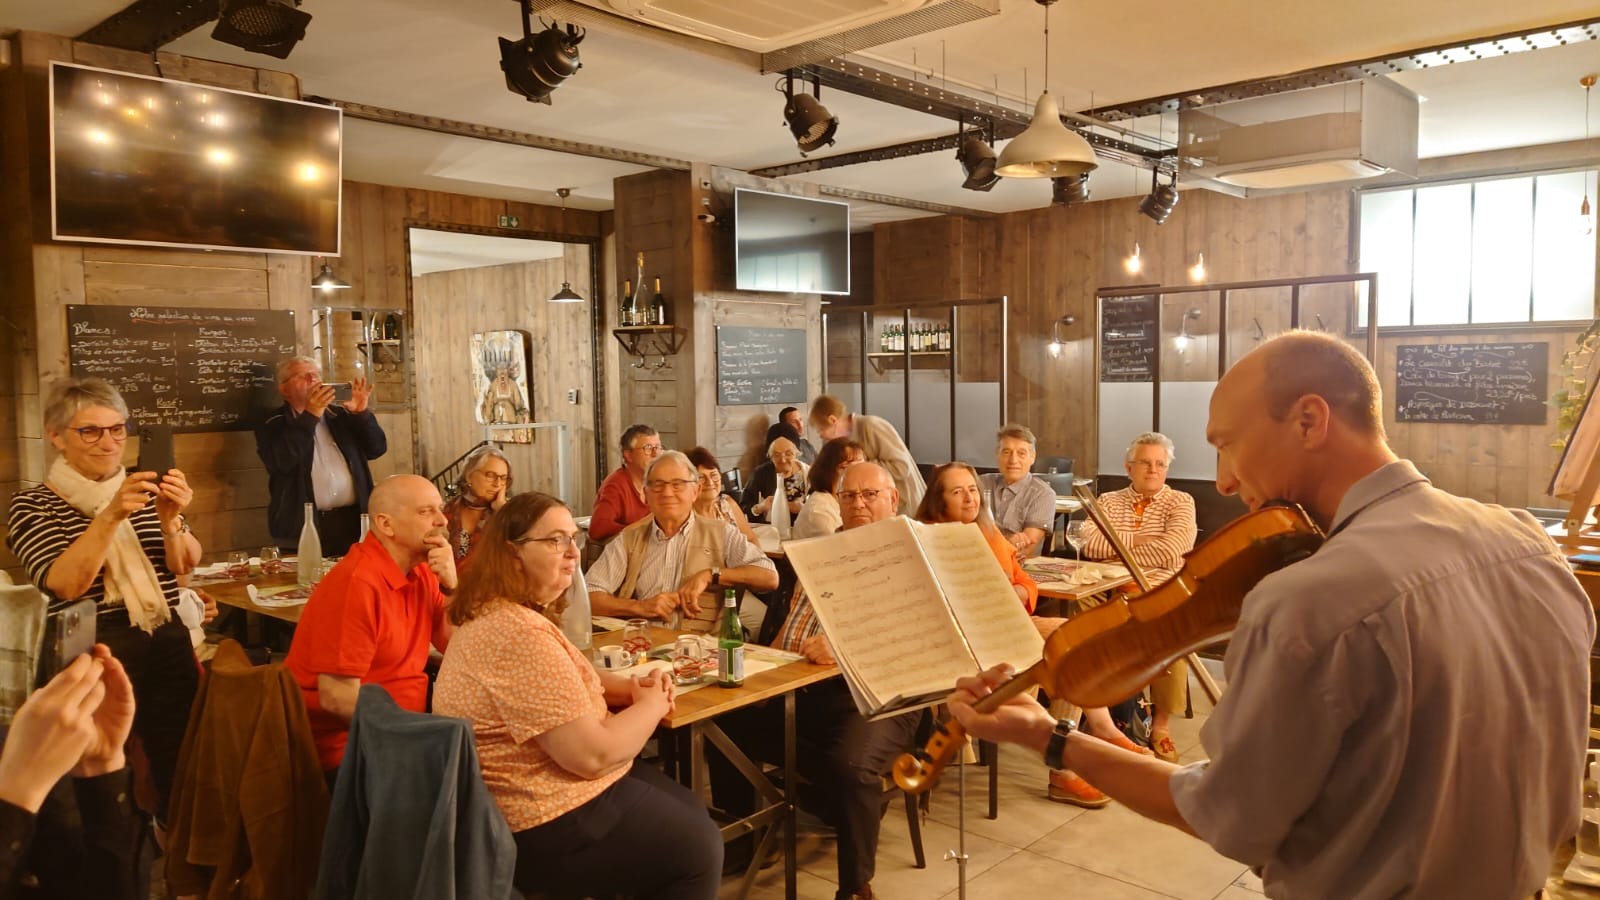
483	489
711	501
820	515
587	819
94	531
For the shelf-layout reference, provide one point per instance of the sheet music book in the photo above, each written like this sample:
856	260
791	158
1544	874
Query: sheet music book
909	608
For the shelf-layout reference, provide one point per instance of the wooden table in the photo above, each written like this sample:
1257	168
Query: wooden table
237	595
697	711
1041	569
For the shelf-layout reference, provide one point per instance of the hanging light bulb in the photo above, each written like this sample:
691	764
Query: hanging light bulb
1134	262
1197	272
1585	214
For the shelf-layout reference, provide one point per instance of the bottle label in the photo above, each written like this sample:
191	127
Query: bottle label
730	664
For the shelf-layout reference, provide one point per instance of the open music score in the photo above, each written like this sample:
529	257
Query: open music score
909	608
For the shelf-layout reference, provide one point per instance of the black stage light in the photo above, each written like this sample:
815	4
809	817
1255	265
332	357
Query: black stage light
1069	189
808	120
1159	203
536	65
272	27
977	158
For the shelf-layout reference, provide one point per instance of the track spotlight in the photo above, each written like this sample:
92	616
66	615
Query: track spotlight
1158	205
272	27
808	120
977	156
1069	189
536	65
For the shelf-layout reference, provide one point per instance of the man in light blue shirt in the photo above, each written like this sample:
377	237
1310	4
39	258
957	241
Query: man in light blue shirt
1024	506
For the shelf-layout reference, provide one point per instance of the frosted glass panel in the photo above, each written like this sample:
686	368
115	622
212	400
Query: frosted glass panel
1502	250
1126	410
1563	256
1185	407
1386	249
1441	275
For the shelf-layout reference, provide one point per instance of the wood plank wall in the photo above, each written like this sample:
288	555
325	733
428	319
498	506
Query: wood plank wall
450	307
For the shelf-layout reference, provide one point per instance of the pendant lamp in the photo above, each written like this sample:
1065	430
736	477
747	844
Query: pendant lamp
566	294
326	281
1047	148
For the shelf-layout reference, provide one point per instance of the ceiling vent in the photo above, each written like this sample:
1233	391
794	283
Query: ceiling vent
788	33
1299	139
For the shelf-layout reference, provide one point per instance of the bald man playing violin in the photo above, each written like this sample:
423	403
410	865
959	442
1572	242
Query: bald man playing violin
1406	710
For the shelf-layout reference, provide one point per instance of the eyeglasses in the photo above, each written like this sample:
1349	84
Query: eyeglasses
557	542
91	434
675	485
1151	463
649	448
710	477
848	497
493	477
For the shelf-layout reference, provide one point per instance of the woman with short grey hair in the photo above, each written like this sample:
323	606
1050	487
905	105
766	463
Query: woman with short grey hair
94	531
484	487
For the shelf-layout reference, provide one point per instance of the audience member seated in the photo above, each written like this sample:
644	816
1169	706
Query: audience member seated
1156	523
587	818
1024	506
91	532
371	619
673	561
620	502
819	515
712	502
791	417
879	442
953	497
316	451
783	462
484	487
842	754
76	724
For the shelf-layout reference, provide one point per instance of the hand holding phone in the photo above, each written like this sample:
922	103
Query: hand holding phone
68	634
342	391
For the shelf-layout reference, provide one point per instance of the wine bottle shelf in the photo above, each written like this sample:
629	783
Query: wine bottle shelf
640	341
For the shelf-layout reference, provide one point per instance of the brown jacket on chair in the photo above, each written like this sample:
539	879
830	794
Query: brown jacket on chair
249	803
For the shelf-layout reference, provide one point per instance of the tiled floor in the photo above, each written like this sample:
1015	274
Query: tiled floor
1035	848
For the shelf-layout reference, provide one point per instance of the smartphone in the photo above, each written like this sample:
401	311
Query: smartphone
155	450
341	391
68	634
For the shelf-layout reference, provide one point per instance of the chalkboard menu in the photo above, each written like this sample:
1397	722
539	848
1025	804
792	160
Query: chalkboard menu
760	365
1128	338
1474	384
193	369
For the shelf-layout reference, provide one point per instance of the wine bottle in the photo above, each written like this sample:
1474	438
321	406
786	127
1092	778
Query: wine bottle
730	643
626	317
641	308
658	306
391	327
310	549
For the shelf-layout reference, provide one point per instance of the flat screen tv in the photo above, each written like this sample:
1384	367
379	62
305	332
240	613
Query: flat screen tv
140	160
790	244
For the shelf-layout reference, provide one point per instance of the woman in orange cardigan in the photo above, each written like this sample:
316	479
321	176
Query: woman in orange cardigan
953	496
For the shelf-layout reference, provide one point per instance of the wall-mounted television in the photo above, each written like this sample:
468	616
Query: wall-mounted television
790	244
141	160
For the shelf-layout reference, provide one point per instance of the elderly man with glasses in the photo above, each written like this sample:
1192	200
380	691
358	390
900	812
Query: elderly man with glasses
620	502
673	561
1157	525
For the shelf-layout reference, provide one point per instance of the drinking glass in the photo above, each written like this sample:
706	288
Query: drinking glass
636	638
688	660
271	561
238	564
1074	536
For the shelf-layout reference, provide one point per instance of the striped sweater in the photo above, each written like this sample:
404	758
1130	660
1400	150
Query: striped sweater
1167	517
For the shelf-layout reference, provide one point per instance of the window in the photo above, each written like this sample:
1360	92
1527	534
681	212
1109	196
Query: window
1504	250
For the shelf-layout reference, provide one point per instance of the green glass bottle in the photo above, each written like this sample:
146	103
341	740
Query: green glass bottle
730	643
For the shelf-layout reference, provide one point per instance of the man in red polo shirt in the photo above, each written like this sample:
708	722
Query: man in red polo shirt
372	618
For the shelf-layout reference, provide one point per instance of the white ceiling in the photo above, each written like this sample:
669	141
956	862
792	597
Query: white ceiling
444	251
645	95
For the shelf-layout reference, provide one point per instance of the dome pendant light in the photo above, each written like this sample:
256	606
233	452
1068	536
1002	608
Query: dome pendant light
1047	148
327	282
566	294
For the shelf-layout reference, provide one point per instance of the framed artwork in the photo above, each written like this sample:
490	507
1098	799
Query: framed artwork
501	393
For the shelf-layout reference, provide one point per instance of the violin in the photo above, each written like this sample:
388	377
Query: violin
1108	653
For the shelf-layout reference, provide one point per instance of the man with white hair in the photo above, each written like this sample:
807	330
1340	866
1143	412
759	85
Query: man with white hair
673	560
316	451
1157	525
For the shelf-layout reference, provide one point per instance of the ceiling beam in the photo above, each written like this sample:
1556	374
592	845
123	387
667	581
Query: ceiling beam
1543	37
149	25
946	209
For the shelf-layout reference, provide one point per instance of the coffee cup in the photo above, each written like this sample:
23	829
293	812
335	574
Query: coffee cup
614	658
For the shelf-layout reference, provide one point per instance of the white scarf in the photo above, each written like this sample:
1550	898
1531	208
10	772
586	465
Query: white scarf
129	576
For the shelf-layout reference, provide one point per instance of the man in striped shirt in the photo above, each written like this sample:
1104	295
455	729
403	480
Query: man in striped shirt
1157	525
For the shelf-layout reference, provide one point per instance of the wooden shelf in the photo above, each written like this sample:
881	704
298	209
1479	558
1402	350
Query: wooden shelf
912	353
920	359
379	342
640	341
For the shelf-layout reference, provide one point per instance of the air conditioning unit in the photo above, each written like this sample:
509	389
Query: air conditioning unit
1299	139
762	25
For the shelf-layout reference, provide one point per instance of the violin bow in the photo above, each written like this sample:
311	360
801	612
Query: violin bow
1207	683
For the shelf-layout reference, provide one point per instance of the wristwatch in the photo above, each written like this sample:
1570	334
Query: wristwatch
183	527
1055	751
716	576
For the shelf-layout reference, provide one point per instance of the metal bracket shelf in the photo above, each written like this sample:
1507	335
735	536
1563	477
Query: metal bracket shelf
640	341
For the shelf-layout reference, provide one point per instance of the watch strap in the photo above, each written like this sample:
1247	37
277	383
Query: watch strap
1055	750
